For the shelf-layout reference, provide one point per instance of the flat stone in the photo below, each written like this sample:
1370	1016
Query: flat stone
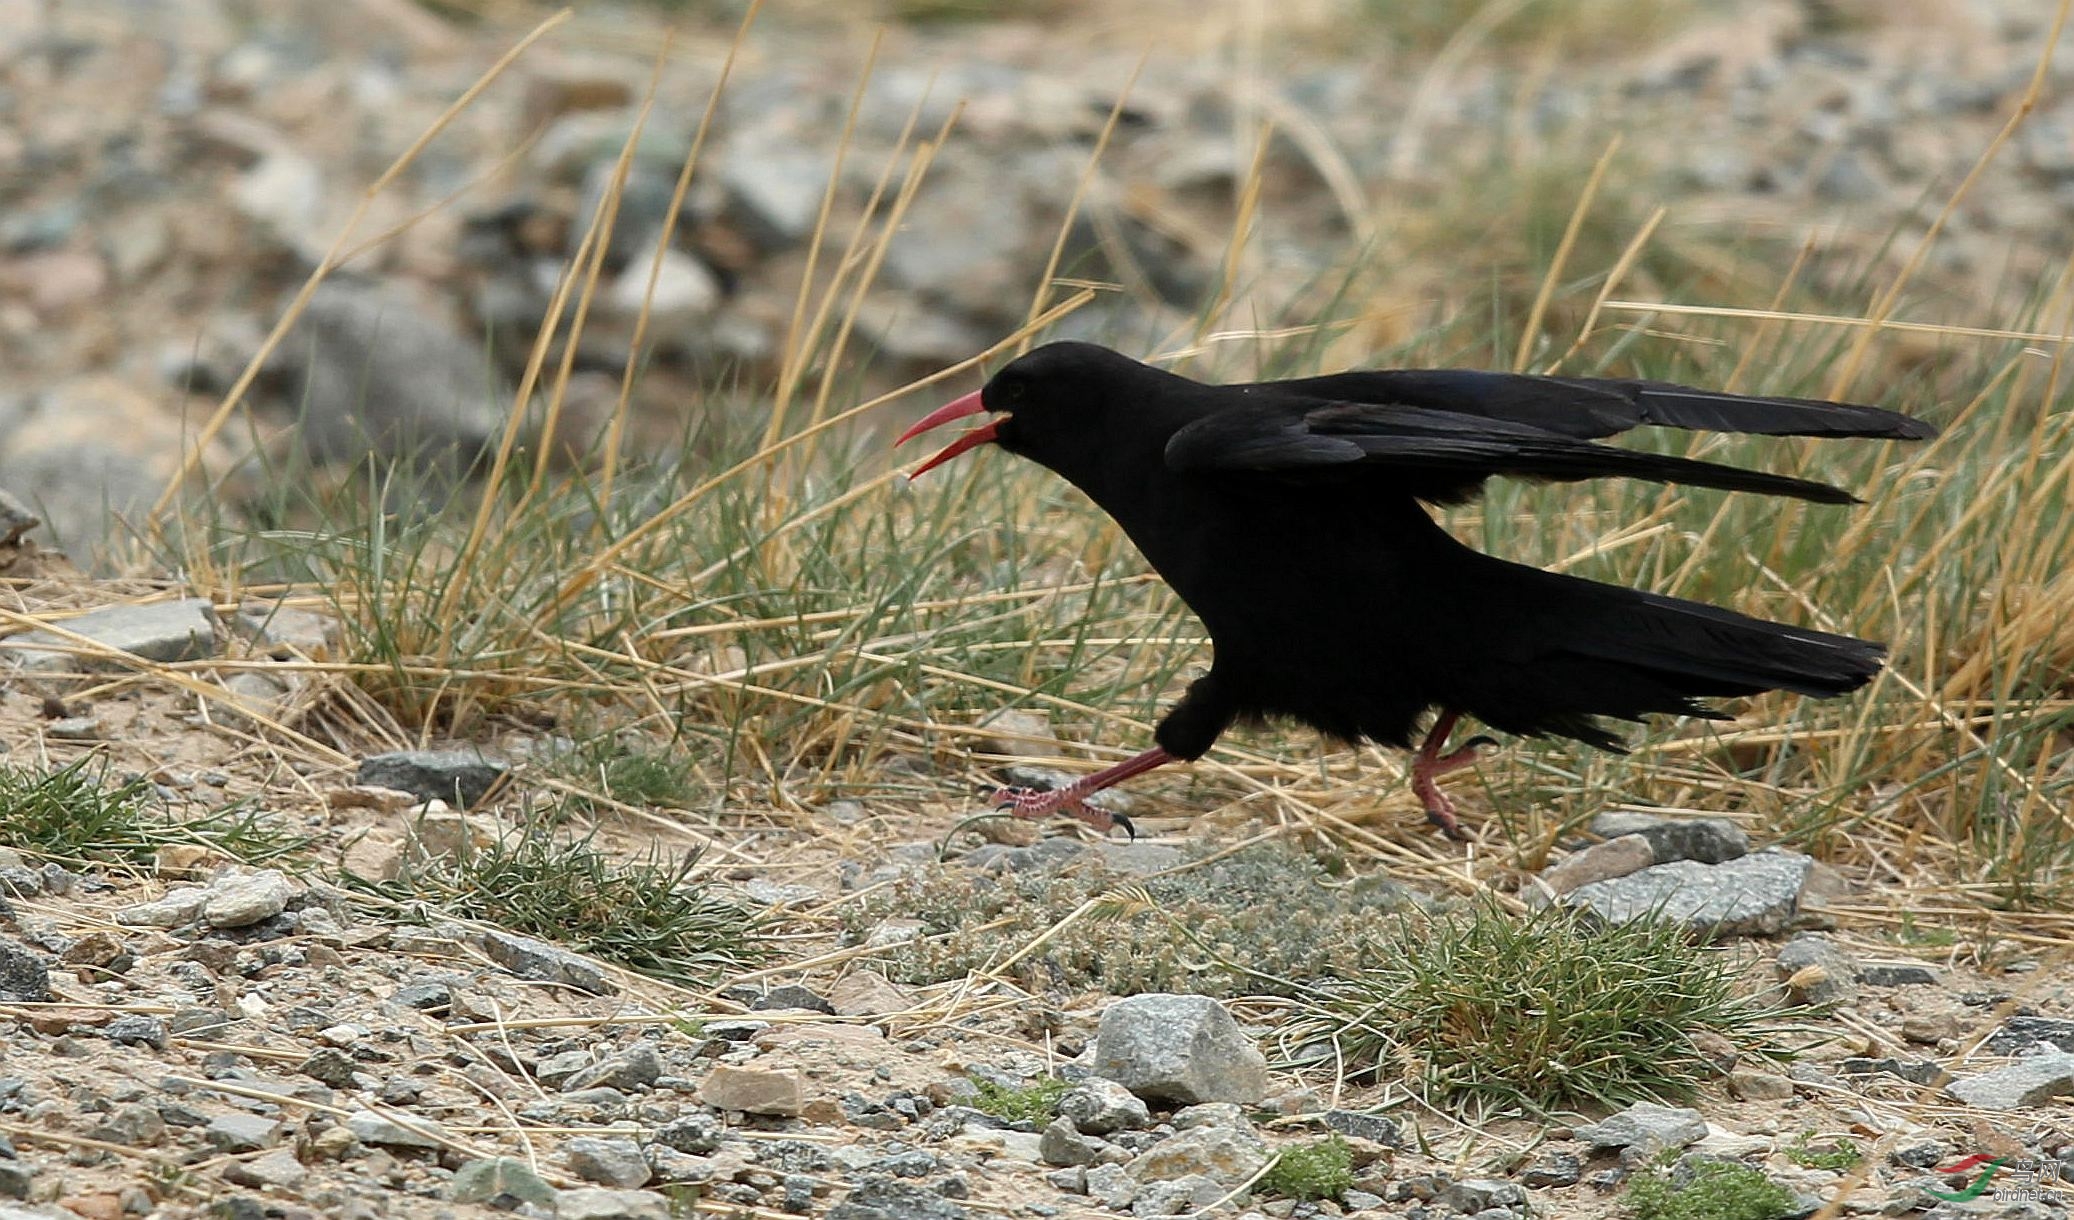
165	632
1210	1114
371	1128
2027	1082
2020	1035
1651	1126
754	1091
500	1178
537	960
278	1170
1895	974
608	1162
1223	1154
792	996
1755	895
1474	1196
241	901
1817	972
1360	1125
1915	1071
458	777
176	909
602	1203
1101	1107
692	1132
241	1132
1759	1086
1554	1169
1706	840
867	993
1183	1049
1600	862
1185	1195
638	1068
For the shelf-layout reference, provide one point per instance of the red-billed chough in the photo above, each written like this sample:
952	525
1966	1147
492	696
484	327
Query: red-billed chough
1288	515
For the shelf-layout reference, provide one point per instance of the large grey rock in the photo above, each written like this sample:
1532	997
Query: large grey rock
1707	840
775	192
458	777
2020	1035
1817	972
1063	1144
753	1090
1182	1049
636	1069
2027	1082
537	960
183	630
1752	896
1651	1126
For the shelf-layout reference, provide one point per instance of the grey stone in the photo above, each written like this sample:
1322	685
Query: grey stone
277	1169
183	630
695	1132
136	1125
24	976
136	1030
1895	974
1554	1169
671	1165
1180	1196
2027	1082
1210	1114
1183	1049
500	1178
774	190
557	1069
1372	1127
17	1180
753	1090
1225	1154
423	997
792	995
1063	1144
172	910
1616	857
243	900
879	1198
458	777
371	1128
1650	1126
330	1066
601	1203
1915	1071
1750	1085
638	1068
537	960
1473	1196
608	1162
2021	1035
242	1132
1100	1107
1111	1185
1817	972
1755	895
1360	1201
1706	840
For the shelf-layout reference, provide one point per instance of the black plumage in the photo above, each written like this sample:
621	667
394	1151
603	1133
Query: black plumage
1288	516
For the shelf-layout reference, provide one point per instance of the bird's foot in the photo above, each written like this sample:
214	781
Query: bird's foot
1033	803
1426	771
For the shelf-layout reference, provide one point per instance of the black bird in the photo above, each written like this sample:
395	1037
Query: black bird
1288	515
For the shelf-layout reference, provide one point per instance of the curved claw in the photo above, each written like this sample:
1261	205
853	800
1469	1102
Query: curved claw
1125	822
1447	824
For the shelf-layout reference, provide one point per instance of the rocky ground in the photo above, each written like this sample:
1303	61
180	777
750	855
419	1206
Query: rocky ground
190	1032
193	1033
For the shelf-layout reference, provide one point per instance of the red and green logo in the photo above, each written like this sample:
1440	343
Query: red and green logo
1978	1185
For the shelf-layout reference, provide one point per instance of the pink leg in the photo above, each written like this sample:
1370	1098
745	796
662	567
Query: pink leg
1029	803
1430	764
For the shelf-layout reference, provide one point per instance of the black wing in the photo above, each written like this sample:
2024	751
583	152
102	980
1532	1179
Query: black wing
1438	455
1589	407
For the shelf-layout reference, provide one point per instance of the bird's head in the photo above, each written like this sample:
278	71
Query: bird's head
1047	405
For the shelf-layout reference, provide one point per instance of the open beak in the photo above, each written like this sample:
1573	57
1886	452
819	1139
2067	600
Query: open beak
957	409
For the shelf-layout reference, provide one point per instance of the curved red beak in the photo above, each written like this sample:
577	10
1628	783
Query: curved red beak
956	409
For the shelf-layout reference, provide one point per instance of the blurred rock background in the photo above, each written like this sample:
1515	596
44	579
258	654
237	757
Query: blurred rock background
171	170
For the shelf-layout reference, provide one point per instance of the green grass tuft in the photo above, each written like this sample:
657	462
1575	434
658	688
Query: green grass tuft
1697	1189
1839	1154
1321	1169
647	916
1036	1102
1545	1011
79	814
